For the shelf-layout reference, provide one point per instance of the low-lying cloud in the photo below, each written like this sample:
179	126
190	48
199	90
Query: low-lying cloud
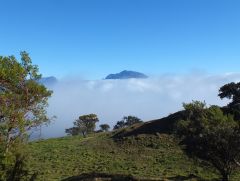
148	99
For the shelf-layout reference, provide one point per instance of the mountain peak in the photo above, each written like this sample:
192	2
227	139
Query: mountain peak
48	81
126	74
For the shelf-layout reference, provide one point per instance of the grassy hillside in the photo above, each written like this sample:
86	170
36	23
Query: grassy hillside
144	151
164	125
144	156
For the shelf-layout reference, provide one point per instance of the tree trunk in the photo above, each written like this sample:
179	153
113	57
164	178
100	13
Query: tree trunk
7	144
225	177
84	134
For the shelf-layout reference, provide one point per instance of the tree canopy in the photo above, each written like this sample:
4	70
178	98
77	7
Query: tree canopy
119	125
231	91
84	125
127	121
23	101
104	127
131	120
211	135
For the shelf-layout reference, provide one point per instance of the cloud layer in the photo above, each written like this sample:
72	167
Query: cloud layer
148	99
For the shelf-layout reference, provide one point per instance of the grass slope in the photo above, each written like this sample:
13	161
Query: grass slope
164	125
145	151
144	157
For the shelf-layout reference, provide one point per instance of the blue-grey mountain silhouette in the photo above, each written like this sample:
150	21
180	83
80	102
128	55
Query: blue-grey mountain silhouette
127	75
48	81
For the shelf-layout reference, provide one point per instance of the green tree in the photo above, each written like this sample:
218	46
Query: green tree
84	125
72	131
231	91
119	125
131	120
127	121
210	135
104	127
23	102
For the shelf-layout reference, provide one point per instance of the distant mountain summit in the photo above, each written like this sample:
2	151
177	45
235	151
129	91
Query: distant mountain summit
48	81
127	75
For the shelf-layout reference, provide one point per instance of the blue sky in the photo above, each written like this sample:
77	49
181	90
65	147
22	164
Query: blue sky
92	38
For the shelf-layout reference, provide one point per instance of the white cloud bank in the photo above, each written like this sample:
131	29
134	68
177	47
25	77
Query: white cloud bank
148	99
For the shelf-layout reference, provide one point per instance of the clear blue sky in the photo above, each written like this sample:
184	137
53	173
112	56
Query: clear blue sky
92	38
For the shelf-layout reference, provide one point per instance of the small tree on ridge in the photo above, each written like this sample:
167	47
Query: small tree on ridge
104	127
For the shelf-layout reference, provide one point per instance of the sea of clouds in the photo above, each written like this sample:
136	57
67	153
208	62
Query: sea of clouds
147	99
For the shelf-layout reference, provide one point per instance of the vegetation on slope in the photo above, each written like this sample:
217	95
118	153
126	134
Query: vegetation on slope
144	156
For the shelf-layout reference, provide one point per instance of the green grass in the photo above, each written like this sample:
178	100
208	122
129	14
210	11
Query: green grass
139	151
143	156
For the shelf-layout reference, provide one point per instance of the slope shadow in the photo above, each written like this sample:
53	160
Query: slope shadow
187	178
120	177
104	177
164	125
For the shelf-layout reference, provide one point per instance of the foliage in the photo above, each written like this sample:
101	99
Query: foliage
23	103
212	136
84	125
127	121
104	127
119	125
232	91
72	131
131	120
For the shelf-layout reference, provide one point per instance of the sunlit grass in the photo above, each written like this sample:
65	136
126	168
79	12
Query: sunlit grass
143	157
